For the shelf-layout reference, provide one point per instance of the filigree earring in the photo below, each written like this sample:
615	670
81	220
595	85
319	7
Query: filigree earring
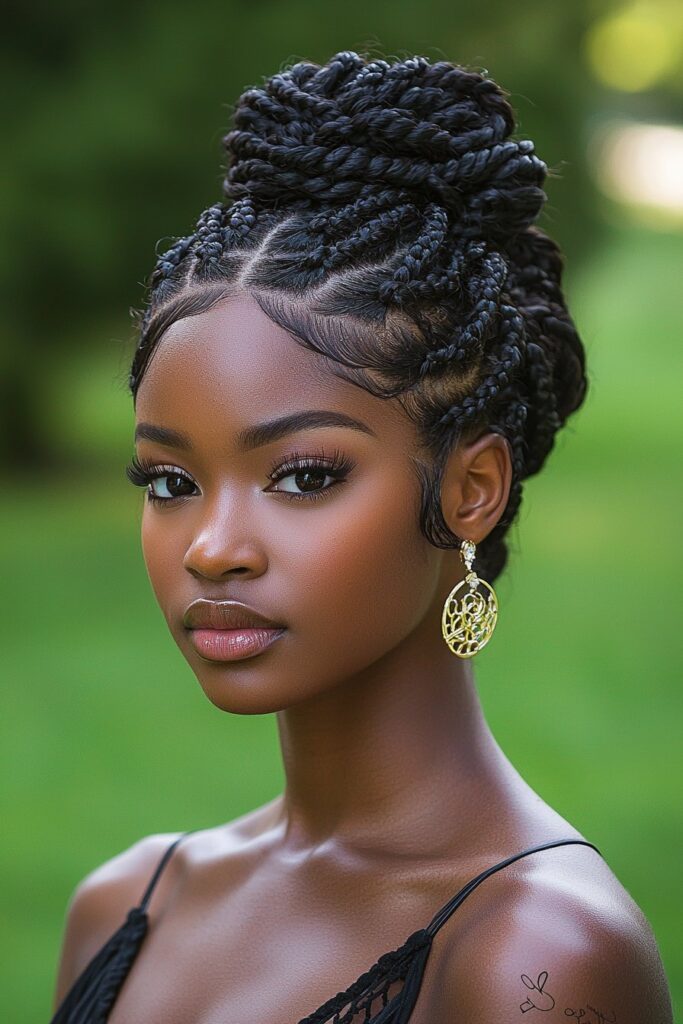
467	624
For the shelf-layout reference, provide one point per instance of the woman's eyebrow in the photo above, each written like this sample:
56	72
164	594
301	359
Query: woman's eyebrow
273	430
162	435
260	433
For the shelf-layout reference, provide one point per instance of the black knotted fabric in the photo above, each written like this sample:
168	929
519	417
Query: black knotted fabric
94	992
407	964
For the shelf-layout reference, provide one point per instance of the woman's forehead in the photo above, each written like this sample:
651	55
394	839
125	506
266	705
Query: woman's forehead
232	364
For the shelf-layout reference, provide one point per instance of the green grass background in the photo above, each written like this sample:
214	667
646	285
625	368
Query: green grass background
106	735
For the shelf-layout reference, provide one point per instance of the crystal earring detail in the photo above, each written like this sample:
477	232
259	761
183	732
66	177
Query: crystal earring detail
467	624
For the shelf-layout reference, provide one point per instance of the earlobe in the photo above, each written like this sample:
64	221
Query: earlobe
476	486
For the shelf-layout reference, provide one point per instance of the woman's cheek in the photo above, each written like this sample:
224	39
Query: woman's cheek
163	561
359	569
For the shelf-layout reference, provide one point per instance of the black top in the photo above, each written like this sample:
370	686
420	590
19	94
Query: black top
93	993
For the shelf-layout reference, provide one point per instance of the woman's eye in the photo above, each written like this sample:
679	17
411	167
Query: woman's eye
304	481
310	477
170	485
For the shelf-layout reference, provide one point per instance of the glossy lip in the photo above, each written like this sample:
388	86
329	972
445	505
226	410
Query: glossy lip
229	630
206	614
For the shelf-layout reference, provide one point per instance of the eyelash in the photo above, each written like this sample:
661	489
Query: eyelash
143	473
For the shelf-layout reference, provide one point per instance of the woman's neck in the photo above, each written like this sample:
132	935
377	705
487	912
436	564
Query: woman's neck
398	757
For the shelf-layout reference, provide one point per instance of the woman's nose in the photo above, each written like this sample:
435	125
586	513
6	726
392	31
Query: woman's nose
225	546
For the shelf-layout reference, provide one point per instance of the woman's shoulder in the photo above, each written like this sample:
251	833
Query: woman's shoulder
101	900
555	931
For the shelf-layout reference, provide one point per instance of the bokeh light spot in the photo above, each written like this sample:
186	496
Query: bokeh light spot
641	165
634	48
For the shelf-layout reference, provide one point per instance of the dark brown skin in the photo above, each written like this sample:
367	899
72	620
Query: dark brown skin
396	791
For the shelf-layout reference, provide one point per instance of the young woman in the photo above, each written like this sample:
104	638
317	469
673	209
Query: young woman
343	377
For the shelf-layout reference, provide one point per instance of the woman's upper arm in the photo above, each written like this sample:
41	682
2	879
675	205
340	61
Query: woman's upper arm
99	904
557	962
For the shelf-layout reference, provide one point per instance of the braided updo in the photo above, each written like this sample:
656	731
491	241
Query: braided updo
382	214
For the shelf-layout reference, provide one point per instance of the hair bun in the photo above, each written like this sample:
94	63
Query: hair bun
316	135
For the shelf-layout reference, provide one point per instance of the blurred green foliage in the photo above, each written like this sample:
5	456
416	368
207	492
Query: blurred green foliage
113	134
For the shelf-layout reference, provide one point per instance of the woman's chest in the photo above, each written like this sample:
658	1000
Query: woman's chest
279	978
259	960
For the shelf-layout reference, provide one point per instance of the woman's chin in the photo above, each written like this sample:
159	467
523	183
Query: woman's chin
241	695
256	685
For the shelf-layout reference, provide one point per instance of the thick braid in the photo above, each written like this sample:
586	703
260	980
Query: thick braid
241	219
423	249
437	284
506	361
384	215
208	247
262	168
545	406
169	261
331	222
479	324
556	382
362	241
355	145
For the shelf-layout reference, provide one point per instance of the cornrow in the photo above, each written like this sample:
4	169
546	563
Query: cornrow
331	222
435	284
208	246
169	260
367	236
422	250
242	217
384	215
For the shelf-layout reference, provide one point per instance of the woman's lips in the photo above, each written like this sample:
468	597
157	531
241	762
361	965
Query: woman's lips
229	630
233	644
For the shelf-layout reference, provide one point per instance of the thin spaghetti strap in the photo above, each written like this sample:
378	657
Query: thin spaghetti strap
94	991
449	908
160	867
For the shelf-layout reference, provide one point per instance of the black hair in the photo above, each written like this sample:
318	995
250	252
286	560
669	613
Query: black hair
382	214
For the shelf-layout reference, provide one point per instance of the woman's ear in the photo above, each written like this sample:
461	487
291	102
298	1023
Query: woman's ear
476	486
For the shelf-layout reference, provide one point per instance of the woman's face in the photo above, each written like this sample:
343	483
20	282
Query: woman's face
315	528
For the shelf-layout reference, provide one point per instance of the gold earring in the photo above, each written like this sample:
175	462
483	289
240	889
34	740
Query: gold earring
467	624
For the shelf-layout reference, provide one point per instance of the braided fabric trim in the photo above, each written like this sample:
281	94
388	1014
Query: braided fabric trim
373	985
